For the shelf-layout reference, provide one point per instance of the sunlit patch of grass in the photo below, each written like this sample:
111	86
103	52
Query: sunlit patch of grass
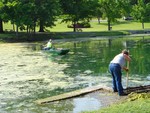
131	25
61	31
95	26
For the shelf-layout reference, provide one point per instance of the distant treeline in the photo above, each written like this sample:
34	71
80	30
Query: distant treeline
29	14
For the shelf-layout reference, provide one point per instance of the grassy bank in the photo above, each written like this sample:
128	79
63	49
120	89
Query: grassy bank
12	37
136	103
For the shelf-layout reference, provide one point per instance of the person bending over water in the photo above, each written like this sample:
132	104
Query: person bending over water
115	67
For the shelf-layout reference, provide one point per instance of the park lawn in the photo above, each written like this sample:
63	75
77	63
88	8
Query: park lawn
61	31
131	25
95	26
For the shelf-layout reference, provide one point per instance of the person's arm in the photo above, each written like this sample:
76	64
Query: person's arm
125	68
127	57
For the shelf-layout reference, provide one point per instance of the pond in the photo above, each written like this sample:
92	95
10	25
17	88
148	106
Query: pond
33	74
91	58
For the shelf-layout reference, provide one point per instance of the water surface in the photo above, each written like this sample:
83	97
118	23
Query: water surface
27	73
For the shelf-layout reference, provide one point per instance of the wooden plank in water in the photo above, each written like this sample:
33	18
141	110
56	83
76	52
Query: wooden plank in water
71	94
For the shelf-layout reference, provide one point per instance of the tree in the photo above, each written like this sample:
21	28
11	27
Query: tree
77	10
141	12
98	12
1	22
31	13
110	11
113	9
1	26
125	7
46	12
13	12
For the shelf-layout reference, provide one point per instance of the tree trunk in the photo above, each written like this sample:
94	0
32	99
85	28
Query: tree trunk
98	20
41	27
35	27
143	25
27	28
14	27
74	26
1	26
109	27
17	29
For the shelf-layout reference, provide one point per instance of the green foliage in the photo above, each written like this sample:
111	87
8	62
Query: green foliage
1	6
80	25
29	14
76	11
110	9
113	9
141	12
46	12
126	7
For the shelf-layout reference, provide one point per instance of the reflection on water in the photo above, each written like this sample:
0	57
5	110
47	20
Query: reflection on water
85	103
84	66
92	57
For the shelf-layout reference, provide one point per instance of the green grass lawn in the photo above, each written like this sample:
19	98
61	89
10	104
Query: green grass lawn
61	31
95	27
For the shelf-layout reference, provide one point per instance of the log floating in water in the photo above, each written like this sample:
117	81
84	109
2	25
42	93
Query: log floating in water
71	94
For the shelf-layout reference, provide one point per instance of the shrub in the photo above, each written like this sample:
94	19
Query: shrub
80	25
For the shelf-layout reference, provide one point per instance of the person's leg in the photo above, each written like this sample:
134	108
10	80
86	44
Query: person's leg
118	76
111	68
114	84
